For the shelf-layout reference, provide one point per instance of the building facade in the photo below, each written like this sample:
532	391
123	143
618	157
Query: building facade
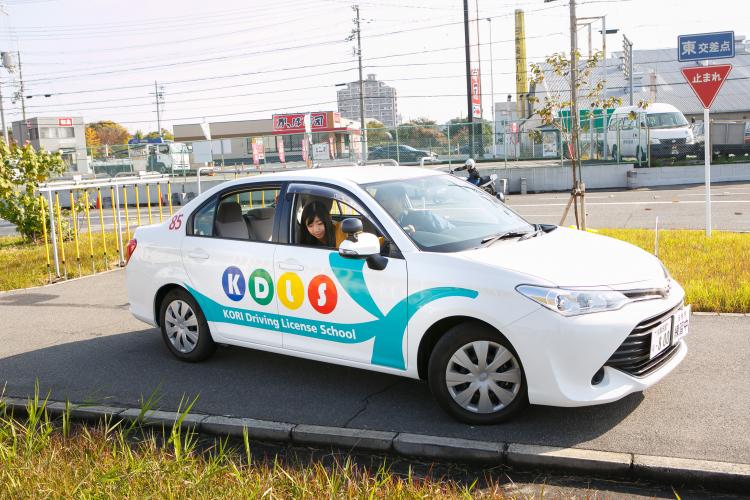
66	135
281	136
380	101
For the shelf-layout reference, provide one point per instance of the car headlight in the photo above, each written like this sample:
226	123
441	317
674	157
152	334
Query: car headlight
654	141
570	302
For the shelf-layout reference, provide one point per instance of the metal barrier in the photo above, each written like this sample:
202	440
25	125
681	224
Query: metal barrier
81	205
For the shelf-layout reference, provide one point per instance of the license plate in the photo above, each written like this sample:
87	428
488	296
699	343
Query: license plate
661	337
680	324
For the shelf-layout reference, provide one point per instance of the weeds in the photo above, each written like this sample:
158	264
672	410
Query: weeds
54	458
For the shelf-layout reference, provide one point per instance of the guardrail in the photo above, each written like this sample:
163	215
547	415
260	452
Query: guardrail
117	186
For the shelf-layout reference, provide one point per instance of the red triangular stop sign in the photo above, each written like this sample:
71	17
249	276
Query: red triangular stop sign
706	81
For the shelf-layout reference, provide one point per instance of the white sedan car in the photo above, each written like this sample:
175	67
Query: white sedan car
415	273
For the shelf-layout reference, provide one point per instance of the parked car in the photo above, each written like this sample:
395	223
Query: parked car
661	127
429	277
402	153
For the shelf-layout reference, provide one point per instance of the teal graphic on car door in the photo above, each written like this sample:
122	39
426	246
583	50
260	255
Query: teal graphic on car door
385	330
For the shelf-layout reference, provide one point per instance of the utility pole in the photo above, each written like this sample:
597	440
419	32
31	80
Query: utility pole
2	117
627	67
159	96
20	78
492	93
362	129
467	48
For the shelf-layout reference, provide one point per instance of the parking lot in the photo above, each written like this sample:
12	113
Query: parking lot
78	340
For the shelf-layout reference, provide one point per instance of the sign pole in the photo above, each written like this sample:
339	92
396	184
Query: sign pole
707	159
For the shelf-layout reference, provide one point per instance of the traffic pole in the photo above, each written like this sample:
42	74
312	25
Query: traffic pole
707	163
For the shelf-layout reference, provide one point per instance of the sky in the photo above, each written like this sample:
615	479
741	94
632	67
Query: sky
246	59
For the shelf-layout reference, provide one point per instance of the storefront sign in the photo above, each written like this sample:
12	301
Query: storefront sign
295	122
64	122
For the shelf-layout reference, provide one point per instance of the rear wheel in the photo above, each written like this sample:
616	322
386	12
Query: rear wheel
476	376
184	328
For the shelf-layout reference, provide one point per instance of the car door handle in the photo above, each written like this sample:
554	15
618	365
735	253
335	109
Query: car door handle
198	255
291	265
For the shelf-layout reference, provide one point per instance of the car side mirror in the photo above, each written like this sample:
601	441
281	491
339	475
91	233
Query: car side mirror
361	245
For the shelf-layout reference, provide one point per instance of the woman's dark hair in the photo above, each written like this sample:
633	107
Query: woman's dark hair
320	210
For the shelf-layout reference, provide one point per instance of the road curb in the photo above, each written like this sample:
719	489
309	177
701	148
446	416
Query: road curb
725	475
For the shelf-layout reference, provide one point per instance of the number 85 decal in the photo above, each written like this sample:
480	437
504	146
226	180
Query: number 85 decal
175	223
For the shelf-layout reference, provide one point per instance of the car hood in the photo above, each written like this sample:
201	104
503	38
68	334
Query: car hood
572	258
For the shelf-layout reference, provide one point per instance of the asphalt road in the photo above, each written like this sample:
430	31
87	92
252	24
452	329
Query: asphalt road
676	207
80	342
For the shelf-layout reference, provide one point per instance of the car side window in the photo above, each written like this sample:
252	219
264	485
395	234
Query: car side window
316	221
246	214
203	219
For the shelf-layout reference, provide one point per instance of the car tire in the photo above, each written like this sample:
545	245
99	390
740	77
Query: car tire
463	388
184	328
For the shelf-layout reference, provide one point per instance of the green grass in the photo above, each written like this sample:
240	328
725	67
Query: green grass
715	271
42	458
24	264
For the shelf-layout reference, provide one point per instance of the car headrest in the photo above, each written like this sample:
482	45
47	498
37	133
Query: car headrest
229	211
262	213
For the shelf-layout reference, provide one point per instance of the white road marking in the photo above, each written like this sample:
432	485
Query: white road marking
632	203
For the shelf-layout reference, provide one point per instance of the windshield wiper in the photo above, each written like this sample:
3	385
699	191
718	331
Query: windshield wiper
531	234
489	240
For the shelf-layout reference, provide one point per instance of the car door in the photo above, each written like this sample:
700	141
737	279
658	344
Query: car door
228	255
334	306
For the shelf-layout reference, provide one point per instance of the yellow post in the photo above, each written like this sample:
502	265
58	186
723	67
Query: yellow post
148	203
75	230
125	203
114	211
101	223
60	233
263	198
158	193
169	197
137	204
88	224
46	244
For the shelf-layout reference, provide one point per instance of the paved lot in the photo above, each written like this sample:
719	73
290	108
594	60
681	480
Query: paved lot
79	341
676	207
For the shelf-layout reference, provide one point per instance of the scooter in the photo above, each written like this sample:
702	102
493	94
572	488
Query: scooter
486	182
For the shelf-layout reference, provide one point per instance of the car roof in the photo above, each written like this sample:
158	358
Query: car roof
354	174
654	107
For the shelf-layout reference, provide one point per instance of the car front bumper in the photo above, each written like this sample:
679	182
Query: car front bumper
561	355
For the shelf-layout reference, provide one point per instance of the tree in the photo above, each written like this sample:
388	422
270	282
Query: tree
21	170
165	134
110	133
377	133
555	102
92	139
460	133
422	133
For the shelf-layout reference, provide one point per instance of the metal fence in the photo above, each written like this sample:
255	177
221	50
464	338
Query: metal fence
86	211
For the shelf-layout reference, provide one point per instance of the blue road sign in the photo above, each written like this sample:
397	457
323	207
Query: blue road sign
702	46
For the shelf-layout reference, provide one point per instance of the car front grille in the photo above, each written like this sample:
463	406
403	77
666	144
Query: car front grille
633	354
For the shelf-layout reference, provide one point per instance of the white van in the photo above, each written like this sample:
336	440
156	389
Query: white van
660	127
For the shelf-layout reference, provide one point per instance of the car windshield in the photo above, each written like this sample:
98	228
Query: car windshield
666	120
442	213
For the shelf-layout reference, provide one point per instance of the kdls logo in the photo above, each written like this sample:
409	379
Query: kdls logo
387	329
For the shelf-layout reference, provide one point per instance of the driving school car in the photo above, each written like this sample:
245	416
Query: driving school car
431	279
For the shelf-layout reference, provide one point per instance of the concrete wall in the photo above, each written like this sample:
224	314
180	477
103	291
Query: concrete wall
542	179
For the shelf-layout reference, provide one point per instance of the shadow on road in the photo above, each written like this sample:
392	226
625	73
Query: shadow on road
122	369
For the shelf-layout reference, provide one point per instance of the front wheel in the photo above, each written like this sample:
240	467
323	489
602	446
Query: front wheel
184	327
476	376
